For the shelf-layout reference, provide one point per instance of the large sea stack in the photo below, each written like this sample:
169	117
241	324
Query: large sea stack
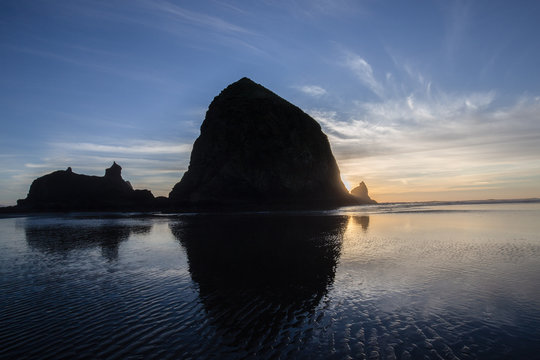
258	150
65	190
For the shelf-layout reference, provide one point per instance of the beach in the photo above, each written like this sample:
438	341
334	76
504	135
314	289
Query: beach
389	281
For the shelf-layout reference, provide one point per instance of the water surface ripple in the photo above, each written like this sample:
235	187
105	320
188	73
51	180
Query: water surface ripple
442	282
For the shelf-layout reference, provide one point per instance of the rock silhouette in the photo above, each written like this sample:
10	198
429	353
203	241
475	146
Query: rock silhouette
257	149
361	194
66	190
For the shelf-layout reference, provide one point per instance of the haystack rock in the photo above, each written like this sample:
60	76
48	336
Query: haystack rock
257	149
361	193
66	190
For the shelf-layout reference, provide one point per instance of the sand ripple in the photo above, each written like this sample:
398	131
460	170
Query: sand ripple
326	287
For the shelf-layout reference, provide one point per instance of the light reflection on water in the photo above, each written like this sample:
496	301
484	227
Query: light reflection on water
369	282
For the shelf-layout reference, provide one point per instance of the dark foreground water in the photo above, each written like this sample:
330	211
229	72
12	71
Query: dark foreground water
389	282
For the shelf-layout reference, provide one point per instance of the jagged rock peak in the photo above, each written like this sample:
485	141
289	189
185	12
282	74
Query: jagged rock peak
361	193
361	190
115	171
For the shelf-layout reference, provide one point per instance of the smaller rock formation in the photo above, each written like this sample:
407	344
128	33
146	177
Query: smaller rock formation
361	194
67	191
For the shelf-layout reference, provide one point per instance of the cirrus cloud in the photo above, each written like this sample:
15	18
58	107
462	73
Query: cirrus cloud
313	90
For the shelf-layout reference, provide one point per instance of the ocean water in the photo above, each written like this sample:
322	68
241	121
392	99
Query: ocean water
408	281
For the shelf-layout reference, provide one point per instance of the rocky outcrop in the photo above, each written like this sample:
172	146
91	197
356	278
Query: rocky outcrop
66	190
361	194
257	149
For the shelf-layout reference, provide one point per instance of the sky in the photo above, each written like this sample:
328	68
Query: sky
421	100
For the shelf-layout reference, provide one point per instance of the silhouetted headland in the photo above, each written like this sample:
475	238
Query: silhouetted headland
64	190
258	150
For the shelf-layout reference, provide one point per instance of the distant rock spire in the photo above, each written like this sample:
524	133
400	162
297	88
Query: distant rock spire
361	193
115	171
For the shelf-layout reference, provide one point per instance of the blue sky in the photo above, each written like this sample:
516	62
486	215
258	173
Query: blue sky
422	100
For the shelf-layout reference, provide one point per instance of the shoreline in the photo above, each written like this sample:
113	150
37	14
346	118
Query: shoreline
8	212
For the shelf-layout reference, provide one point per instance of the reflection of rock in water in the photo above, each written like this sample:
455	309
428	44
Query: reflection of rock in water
363	221
64	238
259	274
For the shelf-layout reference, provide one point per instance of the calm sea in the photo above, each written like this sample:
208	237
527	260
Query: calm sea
376	282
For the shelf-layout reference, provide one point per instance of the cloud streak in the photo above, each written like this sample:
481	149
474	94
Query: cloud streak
198	30
422	140
153	165
457	21
313	90
394	126
196	18
187	24
135	75
361	68
137	147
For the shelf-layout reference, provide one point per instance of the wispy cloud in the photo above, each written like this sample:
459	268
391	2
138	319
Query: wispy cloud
419	108
144	12
361	68
138	147
322	8
409	125
131	74
420	139
312	90
153	165
192	26
457	21
188	24
196	18
36	166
